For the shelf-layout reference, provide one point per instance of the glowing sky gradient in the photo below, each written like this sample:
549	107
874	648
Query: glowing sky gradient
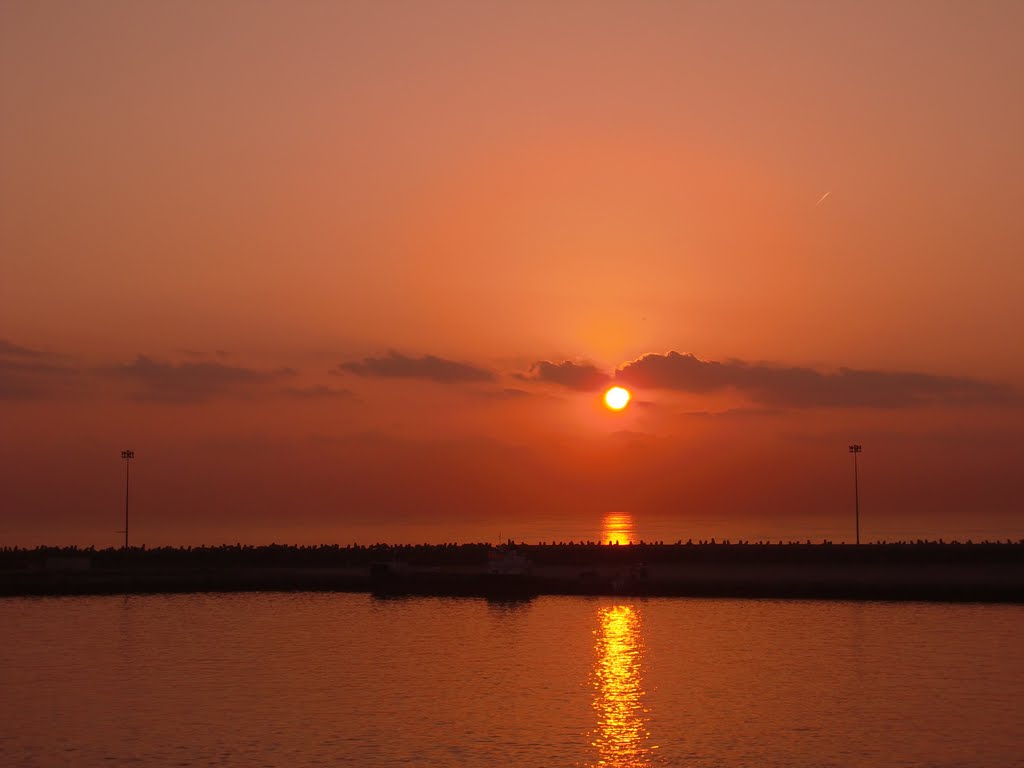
332	265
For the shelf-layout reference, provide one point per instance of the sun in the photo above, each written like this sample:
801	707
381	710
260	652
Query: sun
616	398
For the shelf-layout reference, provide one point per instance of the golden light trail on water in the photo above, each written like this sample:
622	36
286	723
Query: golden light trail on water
617	528
621	737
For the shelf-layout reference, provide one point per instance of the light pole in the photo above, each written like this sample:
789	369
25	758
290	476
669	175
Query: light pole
127	456
855	449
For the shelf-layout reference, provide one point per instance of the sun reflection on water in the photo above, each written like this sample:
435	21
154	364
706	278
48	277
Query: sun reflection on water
621	737
617	527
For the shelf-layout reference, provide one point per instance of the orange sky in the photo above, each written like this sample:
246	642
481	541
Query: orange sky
305	261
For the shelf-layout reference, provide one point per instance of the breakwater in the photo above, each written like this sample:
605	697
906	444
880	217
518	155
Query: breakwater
987	572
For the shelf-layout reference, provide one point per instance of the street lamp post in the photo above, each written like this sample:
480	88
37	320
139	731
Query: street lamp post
127	456
855	449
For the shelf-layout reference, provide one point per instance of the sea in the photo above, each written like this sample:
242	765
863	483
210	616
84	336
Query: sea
309	679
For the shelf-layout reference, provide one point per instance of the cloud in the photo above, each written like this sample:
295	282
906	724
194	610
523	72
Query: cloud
30	374
189	382
578	376
398	366
792	386
7	349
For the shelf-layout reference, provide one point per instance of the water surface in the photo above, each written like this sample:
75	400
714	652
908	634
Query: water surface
347	679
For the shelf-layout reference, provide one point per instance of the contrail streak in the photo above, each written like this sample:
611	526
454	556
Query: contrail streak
822	199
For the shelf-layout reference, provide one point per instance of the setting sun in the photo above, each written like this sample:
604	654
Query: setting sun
616	398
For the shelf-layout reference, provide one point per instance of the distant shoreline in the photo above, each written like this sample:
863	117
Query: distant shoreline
990	573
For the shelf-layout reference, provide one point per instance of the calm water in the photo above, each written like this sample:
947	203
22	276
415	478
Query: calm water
340	679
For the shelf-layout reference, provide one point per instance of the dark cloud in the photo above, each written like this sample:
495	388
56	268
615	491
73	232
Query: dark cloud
790	386
29	374
318	392
398	366
578	376
32	366
188	382
7	349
